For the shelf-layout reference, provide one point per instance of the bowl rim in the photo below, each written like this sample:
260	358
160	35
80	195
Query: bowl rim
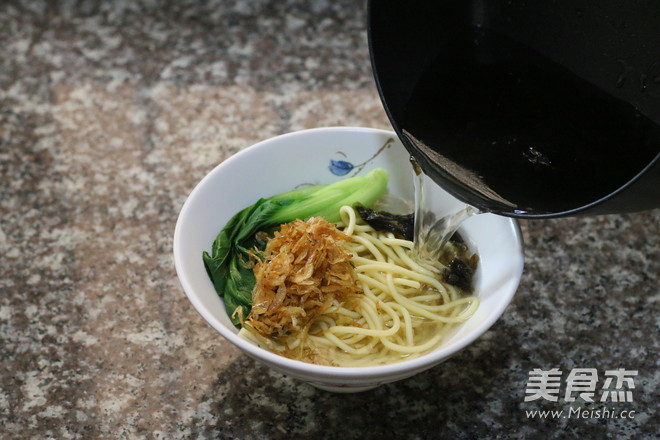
418	364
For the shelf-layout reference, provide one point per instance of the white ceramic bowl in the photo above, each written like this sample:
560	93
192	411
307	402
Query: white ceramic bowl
304	157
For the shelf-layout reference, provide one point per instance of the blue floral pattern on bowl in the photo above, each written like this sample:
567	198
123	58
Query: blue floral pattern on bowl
342	167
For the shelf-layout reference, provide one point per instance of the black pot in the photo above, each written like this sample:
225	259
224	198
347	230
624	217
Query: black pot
526	108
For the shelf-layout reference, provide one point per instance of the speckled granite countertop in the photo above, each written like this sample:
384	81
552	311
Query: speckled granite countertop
110	112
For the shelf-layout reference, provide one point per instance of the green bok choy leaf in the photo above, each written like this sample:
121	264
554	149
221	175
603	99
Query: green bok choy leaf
229	265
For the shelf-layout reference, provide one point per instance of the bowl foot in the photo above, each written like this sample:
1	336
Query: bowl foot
344	388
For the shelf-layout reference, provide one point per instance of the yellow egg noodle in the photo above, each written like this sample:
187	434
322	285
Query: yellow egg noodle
404	312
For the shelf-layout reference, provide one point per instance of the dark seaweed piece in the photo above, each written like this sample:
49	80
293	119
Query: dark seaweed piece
457	238
459	273
402	225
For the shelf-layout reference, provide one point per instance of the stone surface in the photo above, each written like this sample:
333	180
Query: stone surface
110	112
